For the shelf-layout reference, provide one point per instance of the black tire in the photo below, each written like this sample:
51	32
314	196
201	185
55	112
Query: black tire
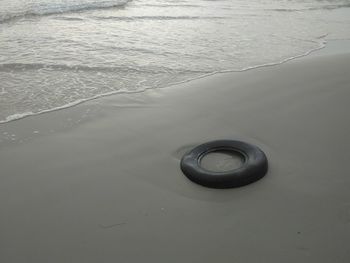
254	165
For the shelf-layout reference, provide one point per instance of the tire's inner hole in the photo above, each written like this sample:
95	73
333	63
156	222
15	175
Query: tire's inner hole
222	161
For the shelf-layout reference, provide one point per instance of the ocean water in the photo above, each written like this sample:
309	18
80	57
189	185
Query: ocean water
57	53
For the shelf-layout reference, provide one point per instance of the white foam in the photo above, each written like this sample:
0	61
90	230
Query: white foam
16	116
123	91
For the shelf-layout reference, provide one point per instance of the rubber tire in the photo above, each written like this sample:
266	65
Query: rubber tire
254	166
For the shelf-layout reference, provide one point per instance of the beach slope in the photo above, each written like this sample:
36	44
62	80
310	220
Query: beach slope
110	189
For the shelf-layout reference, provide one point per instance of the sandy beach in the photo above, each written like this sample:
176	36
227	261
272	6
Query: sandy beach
101	182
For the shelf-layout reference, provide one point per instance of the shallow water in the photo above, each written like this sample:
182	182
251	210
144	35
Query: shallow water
57	53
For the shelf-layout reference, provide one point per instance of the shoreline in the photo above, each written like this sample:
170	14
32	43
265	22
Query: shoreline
19	116
101	181
86	110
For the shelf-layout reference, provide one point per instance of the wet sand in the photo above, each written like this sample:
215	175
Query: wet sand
101	182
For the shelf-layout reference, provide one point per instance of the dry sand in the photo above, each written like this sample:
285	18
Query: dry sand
101	182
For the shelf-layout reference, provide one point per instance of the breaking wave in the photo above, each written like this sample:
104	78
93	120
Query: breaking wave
59	8
325	7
